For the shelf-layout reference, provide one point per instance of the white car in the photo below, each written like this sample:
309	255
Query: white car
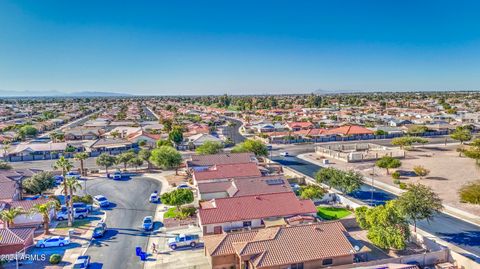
54	241
183	186
284	154
101	200
154	198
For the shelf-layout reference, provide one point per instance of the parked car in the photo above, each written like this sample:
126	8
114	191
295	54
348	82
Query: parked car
99	230
183	240
183	186
284	154
147	223
80	213
82	205
82	262
54	241
62	214
101	200
58	179
154	197
73	174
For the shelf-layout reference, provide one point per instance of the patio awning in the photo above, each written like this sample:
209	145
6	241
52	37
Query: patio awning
275	222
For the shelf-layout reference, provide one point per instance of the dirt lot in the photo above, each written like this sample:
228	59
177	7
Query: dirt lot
448	172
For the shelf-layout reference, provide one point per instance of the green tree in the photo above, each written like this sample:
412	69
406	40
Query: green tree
421	171
176	135
44	210
328	176
417	129
144	154
166	157
81	156
106	160
345	181
387	163
312	192
164	143
5	166
462	135
360	215
178	198
136	162
419	202
252	145
406	142
470	193
386	225
39	183
9	215
73	185
65	166
209	147
125	158
27	130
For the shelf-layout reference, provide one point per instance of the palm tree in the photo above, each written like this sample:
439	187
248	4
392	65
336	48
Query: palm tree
64	165
81	156
44	210
9	215
73	185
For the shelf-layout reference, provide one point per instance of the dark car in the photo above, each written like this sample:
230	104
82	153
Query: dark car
99	230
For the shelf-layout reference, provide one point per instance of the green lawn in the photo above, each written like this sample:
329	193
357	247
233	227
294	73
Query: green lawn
82	223
332	213
171	213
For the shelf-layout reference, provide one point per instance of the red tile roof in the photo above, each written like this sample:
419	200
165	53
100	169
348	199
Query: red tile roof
279	246
350	130
246	186
223	158
254	207
225	171
14	236
28	204
300	124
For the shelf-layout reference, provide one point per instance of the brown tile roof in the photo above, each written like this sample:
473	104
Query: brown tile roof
247	186
28	204
225	171
224	158
14	236
254	207
278	246
7	190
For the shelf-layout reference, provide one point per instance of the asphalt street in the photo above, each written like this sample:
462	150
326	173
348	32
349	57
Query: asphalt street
453	230
129	198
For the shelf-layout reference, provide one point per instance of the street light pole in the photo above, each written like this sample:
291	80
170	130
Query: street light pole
373	175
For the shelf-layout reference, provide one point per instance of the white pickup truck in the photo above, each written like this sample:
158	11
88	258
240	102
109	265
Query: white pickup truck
183	240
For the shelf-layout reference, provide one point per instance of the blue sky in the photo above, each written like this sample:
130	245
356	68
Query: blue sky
239	47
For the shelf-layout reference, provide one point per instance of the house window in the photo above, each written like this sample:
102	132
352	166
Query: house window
327	262
296	266
247	224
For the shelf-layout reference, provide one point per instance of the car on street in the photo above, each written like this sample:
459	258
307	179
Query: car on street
284	154
183	240
101	201
183	186
147	223
58	179
99	230
154	197
73	174
82	262
53	241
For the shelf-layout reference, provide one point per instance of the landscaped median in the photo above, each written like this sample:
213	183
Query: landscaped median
332	213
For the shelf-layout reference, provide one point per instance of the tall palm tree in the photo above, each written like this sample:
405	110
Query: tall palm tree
81	156
73	185
64	165
44	210
9	215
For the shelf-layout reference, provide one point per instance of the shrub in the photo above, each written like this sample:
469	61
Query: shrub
187	211
396	181
396	175
421	171
470	193
87	199
402	186
55	259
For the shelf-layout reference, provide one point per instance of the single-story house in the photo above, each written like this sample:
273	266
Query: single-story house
243	187
223	172
202	162
199	139
13	240
309	246
299	125
252	211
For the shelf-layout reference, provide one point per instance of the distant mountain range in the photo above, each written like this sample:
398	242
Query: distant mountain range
5	93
